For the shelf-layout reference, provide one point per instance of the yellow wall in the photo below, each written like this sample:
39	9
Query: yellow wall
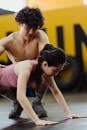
7	23
54	4
67	18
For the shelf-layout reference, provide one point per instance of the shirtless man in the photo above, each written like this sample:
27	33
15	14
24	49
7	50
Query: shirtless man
26	44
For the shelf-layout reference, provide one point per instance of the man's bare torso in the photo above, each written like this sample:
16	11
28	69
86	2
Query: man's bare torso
20	46
22	51
19	50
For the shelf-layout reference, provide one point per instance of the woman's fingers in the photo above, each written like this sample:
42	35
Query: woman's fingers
44	122
72	116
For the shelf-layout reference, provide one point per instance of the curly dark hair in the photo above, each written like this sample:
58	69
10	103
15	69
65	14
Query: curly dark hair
31	17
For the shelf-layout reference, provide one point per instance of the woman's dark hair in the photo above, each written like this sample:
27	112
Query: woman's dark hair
31	17
49	47
53	57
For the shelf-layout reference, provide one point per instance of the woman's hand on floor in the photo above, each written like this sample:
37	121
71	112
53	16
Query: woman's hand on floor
46	122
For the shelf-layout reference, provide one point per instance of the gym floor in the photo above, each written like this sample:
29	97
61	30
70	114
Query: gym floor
76	101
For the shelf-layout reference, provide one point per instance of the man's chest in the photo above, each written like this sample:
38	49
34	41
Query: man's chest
23	52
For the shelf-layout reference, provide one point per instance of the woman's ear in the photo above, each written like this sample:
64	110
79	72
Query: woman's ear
45	63
44	66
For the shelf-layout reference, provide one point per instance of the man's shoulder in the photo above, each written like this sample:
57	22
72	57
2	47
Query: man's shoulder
41	31
9	38
7	41
13	35
42	35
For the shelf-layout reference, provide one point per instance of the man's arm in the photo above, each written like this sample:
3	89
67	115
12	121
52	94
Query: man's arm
2	48
10	56
3	43
43	40
2	65
5	46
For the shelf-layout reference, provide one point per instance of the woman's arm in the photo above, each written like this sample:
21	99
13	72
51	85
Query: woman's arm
60	98
23	78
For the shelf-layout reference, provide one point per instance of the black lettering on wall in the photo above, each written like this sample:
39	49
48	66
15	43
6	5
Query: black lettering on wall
60	36
80	38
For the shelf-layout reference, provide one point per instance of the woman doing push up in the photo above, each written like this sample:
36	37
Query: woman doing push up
36	73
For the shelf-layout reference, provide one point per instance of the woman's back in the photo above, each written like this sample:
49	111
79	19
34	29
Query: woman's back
8	77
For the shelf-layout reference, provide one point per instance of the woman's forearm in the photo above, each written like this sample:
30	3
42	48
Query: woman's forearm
59	96
61	101
28	108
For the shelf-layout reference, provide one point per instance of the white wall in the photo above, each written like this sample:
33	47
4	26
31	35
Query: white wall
13	5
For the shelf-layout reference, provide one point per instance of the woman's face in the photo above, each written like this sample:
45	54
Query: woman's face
51	70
